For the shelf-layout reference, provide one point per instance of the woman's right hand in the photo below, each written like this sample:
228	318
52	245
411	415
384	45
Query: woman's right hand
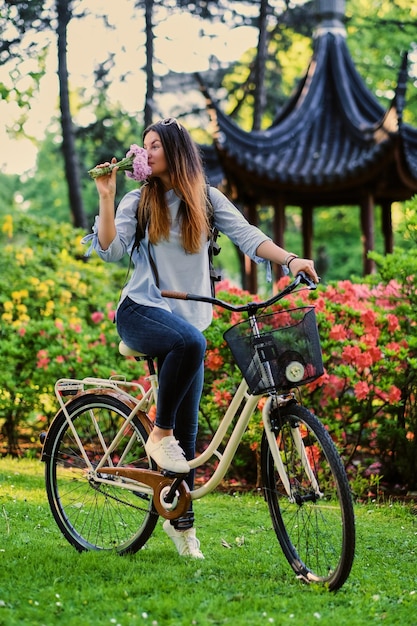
106	184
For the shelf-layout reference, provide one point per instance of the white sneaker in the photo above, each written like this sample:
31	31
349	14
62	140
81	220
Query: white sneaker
168	455
185	541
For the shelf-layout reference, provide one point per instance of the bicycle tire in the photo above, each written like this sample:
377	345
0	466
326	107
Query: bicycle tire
315	524
94	516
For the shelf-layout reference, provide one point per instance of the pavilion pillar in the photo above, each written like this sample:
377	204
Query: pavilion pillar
387	227
307	231
278	232
368	236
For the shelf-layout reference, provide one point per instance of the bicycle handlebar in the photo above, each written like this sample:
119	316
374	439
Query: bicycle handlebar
250	306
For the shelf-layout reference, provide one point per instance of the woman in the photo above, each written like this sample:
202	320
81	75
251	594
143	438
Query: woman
168	239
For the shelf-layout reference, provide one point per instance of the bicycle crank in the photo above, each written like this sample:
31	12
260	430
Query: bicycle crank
171	496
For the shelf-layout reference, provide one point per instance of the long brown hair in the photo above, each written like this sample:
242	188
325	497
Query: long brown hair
187	177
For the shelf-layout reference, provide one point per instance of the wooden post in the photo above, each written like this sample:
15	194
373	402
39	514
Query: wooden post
278	231
307	230
387	227
368	237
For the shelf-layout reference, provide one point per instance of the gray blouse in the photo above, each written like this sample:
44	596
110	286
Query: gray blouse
177	270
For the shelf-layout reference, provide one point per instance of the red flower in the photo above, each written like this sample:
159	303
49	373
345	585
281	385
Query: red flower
394	395
393	323
222	398
338	332
351	354
214	361
393	346
361	390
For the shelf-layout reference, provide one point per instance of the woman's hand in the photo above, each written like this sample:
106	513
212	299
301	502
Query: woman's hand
297	265
106	185
270	251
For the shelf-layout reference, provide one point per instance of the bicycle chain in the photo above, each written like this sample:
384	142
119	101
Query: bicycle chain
133	506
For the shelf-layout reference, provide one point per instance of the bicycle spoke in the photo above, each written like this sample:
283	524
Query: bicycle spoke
314	522
91	514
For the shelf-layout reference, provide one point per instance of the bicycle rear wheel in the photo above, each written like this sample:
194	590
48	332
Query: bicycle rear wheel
313	514
93	515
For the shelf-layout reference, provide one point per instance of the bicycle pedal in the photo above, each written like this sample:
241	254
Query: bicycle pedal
169	474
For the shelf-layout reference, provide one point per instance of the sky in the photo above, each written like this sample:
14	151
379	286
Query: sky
178	45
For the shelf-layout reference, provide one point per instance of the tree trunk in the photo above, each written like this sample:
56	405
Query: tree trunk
72	169
259	95
149	104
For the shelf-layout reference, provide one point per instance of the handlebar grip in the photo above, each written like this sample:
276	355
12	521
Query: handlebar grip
307	280
177	295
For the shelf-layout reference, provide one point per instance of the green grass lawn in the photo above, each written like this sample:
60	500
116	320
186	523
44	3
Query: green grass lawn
244	579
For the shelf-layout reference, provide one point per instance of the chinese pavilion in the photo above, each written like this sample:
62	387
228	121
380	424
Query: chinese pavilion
332	144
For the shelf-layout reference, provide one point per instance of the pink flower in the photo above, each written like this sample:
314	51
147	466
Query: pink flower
135	164
97	317
43	359
141	169
334	386
364	360
368	318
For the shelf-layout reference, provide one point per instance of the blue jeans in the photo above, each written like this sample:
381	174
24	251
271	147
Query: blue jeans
179	349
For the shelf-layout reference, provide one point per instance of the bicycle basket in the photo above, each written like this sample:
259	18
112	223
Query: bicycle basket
286	353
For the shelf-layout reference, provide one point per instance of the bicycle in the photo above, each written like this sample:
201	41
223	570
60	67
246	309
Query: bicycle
105	493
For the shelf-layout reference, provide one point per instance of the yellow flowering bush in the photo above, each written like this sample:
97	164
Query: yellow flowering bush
56	312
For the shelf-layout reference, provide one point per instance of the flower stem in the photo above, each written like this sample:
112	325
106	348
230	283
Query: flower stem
123	165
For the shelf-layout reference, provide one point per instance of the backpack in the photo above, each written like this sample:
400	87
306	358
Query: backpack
213	249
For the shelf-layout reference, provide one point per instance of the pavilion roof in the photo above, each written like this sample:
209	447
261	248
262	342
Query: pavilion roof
330	141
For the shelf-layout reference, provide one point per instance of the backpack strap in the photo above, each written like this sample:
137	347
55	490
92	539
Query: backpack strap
214	248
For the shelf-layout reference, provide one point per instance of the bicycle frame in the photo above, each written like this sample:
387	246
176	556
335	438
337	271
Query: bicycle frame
149	481
138	480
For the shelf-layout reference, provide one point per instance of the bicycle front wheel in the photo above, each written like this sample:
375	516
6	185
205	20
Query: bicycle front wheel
308	496
92	515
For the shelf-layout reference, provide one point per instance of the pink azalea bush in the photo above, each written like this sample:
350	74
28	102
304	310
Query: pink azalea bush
365	397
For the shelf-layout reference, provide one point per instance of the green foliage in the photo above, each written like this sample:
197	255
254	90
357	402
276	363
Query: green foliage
8	187
287	59
378	34
45	192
